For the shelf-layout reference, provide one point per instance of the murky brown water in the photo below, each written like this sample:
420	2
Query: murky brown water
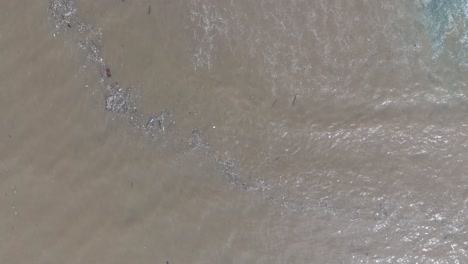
239	132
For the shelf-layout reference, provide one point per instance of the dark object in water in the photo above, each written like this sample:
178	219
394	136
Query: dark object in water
149	10
294	100
108	73
274	103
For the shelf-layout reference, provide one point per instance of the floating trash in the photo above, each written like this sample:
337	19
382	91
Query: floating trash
63	17
62	13
160	123
119	100
108	73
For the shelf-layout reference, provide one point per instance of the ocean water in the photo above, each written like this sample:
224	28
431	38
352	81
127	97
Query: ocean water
446	22
235	131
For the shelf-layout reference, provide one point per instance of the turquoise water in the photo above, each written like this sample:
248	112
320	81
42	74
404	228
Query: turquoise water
447	24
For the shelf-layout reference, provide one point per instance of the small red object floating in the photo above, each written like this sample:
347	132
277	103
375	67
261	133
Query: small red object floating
108	74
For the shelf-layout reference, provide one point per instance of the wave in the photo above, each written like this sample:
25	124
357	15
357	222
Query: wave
447	23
